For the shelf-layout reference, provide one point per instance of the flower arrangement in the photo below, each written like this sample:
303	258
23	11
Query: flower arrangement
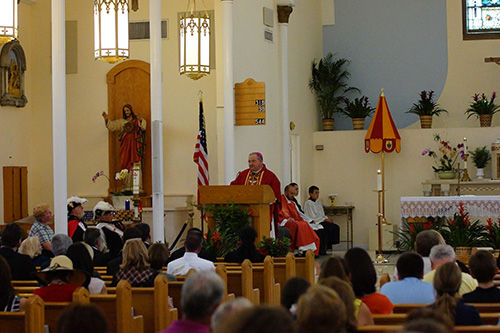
358	108
426	106
229	220
122	174
274	247
461	231
493	233
405	237
99	174
481	105
446	156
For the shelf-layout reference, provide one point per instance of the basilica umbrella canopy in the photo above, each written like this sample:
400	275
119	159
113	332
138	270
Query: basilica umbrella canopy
382	136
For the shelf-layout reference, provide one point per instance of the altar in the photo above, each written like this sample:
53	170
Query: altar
477	206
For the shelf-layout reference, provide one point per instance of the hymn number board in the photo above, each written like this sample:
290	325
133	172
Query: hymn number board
250	103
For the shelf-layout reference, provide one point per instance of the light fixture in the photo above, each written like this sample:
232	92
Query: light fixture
8	20
194	29
111	43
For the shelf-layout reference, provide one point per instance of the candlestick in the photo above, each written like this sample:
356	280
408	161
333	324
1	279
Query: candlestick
465	145
379	180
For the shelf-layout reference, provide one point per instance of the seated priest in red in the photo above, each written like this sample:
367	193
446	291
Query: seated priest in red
258	174
303	236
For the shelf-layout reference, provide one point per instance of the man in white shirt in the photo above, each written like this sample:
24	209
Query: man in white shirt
190	260
314	209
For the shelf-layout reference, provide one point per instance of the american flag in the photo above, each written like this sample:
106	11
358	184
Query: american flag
201	152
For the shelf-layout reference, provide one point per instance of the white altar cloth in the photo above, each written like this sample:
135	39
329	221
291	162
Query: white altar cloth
478	206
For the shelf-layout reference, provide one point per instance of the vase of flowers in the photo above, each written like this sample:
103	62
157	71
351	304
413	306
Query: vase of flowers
480	158
425	108
483	108
274	247
460	231
358	110
445	157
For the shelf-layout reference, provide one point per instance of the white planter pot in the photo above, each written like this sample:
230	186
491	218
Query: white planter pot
480	173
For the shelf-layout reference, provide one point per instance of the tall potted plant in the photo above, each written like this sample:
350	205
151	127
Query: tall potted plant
357	110
480	158
329	82
425	108
483	108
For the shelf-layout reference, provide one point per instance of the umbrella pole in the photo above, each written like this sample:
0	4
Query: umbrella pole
381	215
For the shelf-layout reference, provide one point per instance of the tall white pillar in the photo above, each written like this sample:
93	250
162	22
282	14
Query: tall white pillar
156	120
283	16
59	116
227	54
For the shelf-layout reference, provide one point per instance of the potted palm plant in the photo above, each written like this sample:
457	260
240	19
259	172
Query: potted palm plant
329	81
480	158
425	108
357	110
483	108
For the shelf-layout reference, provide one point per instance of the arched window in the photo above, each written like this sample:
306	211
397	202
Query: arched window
481	19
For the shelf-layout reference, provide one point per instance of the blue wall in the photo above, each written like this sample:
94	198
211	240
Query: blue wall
398	45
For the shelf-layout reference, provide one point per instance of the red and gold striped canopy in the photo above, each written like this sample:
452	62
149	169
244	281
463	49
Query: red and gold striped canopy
382	133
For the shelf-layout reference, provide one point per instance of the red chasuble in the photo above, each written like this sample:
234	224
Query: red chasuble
302	234
263	177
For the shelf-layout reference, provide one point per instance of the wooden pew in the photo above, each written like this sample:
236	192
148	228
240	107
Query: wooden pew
222	272
24	283
118	309
152	305
397	328
481	307
263	279
53	310
304	267
399	318
31	320
240	283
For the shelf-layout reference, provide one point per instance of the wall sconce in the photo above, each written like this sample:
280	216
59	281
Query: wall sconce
111	43
194	47
8	20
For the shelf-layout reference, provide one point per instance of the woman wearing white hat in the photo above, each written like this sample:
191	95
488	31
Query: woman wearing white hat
76	226
60	280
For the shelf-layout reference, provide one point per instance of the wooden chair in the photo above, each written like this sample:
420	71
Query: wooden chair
152	305
31	320
118	309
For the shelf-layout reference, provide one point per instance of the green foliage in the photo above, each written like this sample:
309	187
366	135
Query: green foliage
408	233
493	234
481	105
275	247
426	105
480	156
229	220
460	231
359	108
329	82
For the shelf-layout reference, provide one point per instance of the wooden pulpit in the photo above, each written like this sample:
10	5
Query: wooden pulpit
257	197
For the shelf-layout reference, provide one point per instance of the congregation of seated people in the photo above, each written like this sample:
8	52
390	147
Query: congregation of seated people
345	298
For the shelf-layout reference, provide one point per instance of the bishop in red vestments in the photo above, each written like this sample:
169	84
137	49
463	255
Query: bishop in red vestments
303	236
258	174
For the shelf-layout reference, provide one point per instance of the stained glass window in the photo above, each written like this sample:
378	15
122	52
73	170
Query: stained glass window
481	19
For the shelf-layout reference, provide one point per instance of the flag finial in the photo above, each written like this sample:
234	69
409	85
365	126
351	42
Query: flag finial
200	95
382	92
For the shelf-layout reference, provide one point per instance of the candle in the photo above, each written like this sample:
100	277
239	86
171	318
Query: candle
465	145
379	180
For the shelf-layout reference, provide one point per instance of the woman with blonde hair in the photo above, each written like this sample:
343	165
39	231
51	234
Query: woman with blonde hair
321	310
32	248
357	312
135	266
447	282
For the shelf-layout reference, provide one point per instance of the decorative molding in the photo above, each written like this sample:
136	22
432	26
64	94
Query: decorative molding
284	13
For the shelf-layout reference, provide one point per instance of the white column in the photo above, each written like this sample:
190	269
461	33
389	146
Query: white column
227	54
156	120
59	117
283	16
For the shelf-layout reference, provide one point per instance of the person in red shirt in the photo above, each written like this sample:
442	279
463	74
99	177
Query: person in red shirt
76	226
60	280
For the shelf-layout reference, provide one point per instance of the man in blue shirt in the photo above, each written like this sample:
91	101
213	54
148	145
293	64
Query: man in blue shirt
410	288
